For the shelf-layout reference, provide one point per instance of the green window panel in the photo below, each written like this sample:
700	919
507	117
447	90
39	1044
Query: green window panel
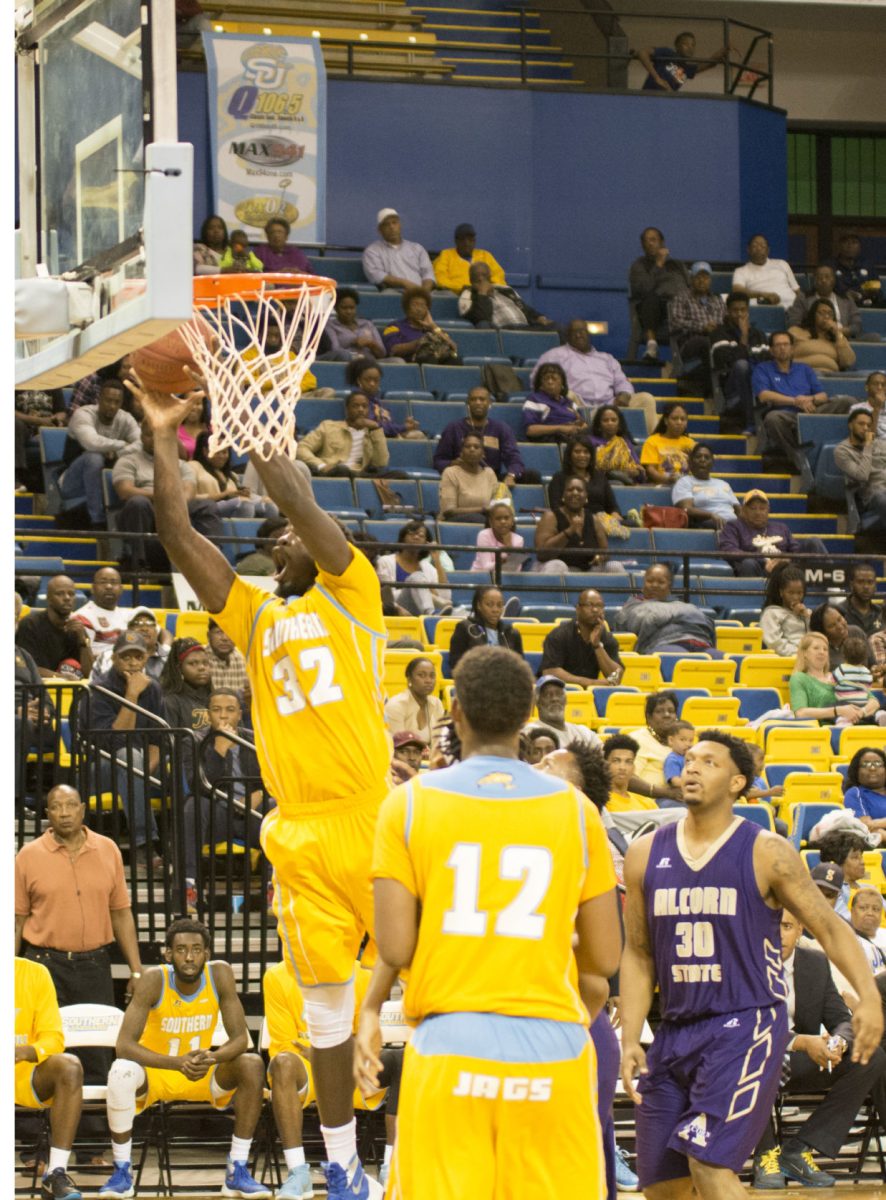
802	172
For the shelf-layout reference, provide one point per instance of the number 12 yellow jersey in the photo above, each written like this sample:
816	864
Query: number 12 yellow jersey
315	666
500	857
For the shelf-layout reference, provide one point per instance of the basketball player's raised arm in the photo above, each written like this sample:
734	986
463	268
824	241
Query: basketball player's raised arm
782	876
291	492
203	565
637	971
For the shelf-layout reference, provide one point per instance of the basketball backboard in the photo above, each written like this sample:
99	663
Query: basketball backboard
105	189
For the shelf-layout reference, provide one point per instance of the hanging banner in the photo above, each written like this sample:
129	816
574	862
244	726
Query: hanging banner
267	118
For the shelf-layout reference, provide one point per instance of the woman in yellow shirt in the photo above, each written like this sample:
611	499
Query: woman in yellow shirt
665	453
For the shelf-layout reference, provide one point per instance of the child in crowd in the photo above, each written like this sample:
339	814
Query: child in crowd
238	256
680	738
852	678
760	789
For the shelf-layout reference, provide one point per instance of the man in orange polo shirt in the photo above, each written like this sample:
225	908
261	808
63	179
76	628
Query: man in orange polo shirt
71	902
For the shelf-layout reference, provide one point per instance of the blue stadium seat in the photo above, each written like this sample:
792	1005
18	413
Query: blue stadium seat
510	415
51	441
443	380
479	343
430	496
342	270
753	702
532	344
805	818
684	541
613	588
239	527
454	533
533	657
445	306
601	696
635	420
330	374
830	482
412	456
669	661
367	496
434	415
535	588
839	385
760	814
547	612
381	306
403	377
543	457
768	317
869	356
873	320
387	530
336	496
463	585
816	431
309	413
529	497
636	497
777	773
685	693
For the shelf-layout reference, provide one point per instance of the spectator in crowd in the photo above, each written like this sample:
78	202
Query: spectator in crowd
652	745
812	685
32	716
133	479
228	1074
259	561
418	709
238	258
409	749
33	409
86	390
418	338
579	462
352	336
853	678
710	503
663	624
53	634
97	435
665	453
583	651
595	377
277	254
157	642
268	365
813	1003
615	452
736	346
854	278
862	459
843	847
764	279
824	283
354	446
500	534
828	619
828	878
103	617
467	487
415	564
819	342
680	738
452	266
194	422
500	449
550	414
493	306
653	281
210	247
365	375
485	626
44	1075
550	704
693	316
217	482
620	752
865	915
393	262
763	541
571	537
227	665
860	608
186	682
540	742
669	67
230	807
122	764
865	796
784	618
71	903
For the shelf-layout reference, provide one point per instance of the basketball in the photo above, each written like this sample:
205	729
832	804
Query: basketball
161	365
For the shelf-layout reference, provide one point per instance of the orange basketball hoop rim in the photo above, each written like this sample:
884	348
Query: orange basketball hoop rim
211	289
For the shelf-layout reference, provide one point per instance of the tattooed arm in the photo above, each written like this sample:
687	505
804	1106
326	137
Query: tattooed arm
637	971
784	881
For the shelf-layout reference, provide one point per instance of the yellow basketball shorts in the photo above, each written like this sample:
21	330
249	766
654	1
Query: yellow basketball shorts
24	1087
309	1096
172	1085
322	889
497	1130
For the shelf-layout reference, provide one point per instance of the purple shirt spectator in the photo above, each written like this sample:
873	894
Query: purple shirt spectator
290	258
402	331
539	409
499	447
344	337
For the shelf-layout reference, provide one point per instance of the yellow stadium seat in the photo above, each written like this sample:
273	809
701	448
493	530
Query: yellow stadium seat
742	639
534	633
706	712
816	787
744	733
873	861
626	641
105	801
396	662
625	709
447	691
580	708
412	627
642	671
853	737
767	670
717	677
193	623
810	745
443	632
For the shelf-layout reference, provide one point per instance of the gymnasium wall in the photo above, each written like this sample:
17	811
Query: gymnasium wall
558	186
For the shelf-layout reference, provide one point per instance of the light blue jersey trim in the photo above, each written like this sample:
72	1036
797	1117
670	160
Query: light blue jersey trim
407	824
487	777
185	999
261	608
344	612
498	1038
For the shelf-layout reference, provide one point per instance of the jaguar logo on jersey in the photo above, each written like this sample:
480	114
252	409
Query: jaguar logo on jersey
268	151
497	779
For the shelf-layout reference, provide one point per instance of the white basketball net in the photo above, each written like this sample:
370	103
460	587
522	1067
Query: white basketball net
253	391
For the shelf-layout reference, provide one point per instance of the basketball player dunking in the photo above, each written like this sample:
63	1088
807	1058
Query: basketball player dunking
314	654
704	897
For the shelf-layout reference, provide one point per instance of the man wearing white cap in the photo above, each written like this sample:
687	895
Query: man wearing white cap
692	317
393	262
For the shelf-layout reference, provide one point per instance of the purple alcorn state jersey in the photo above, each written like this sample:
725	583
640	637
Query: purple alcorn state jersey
716	944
